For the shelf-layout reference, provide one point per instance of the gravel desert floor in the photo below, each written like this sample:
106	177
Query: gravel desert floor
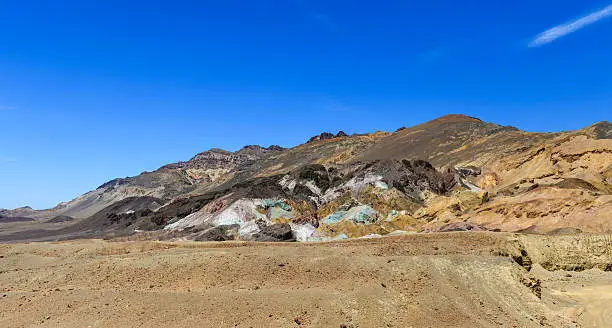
464	279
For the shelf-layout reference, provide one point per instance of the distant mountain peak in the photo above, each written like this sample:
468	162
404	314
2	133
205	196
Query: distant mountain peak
261	148
601	130
253	147
218	150
456	118
327	136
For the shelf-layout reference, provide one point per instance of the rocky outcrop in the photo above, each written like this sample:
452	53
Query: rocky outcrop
219	233
327	136
274	233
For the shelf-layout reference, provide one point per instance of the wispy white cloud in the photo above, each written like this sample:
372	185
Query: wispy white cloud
7	107
573	26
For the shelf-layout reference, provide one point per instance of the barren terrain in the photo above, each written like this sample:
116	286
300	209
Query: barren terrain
461	279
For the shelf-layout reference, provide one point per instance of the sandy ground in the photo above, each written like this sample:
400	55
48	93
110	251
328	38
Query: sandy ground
424	280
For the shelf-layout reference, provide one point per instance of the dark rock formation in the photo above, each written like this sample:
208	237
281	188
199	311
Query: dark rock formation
275	233
219	233
327	136
322	136
275	148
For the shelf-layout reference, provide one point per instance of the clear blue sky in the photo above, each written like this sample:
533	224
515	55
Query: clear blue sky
93	90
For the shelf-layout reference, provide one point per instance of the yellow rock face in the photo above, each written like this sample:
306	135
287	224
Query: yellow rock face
383	227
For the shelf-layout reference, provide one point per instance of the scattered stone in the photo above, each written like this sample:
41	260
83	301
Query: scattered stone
460	226
534	284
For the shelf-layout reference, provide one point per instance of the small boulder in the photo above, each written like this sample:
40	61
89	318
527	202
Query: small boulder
219	233
274	233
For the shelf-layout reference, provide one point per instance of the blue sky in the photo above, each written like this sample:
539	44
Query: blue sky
93	90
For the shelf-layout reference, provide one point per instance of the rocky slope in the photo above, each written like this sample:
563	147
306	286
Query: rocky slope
452	173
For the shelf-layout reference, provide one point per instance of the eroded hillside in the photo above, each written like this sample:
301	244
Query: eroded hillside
452	173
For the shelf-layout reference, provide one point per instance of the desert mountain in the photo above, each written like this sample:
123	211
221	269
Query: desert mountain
455	172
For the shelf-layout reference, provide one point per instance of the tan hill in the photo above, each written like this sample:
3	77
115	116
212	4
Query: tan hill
452	173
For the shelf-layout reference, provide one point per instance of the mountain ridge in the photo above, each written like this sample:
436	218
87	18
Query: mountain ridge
511	164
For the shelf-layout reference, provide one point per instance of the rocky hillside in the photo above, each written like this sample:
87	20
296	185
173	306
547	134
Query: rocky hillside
452	173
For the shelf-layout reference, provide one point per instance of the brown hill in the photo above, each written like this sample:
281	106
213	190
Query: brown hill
452	140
